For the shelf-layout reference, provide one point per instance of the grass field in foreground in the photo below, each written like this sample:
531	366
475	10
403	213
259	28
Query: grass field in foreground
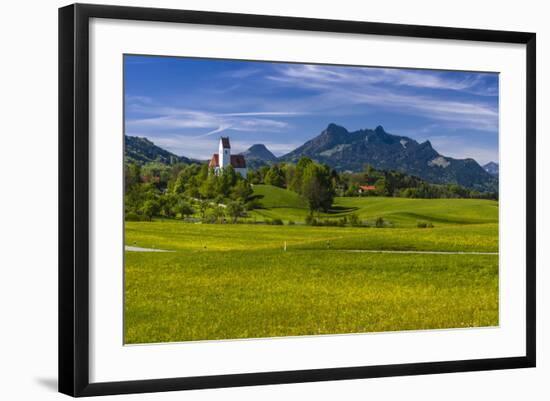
207	295
235	281
175	235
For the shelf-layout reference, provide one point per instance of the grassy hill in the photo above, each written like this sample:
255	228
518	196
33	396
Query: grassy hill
287	205
406	211
275	197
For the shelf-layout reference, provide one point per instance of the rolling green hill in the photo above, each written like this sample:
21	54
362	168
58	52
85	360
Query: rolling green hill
287	205
437	211
275	197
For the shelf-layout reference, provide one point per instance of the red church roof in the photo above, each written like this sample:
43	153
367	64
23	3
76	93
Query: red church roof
237	161
214	162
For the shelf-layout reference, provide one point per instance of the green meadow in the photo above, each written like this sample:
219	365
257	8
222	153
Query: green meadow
403	212
231	281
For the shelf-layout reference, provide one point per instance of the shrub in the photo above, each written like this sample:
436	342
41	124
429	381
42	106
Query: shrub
150	208
379	223
235	209
183	208
277	222
422	224
131	216
291	222
210	218
213	215
354	219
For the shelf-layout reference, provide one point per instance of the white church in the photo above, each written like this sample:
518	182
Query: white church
224	158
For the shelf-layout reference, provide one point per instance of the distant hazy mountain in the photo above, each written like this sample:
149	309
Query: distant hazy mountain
344	150
258	155
491	168
142	150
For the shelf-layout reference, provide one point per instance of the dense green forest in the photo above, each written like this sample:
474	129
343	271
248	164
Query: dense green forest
183	190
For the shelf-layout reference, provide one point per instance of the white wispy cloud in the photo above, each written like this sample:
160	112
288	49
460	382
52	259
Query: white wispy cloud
317	76
155	115
470	115
354	86
136	99
431	80
221	128
213	122
265	113
202	148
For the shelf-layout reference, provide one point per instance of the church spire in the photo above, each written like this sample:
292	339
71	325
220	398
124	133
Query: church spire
224	152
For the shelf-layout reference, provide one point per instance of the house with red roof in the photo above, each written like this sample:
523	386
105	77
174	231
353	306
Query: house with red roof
224	158
366	188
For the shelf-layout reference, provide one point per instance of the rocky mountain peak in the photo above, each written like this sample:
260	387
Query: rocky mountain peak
379	130
346	150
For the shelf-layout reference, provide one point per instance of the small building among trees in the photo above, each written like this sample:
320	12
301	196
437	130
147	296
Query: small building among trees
366	188
224	158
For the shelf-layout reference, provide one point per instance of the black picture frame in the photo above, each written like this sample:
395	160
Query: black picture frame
74	198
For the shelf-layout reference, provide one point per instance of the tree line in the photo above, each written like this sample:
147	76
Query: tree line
398	184
187	190
386	183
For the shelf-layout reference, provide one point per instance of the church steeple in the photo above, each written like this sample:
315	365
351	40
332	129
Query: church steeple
224	158
224	152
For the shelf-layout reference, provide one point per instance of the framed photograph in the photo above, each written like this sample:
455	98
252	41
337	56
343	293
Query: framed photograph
250	199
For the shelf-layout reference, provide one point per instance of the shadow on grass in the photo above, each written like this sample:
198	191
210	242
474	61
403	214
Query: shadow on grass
342	209
254	197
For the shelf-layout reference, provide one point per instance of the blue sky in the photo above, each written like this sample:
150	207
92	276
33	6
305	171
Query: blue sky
184	105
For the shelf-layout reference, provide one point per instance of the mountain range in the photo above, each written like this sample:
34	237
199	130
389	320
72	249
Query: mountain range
141	150
491	168
351	151
344	150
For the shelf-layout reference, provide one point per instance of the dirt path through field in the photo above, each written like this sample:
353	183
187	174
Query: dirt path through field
139	249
